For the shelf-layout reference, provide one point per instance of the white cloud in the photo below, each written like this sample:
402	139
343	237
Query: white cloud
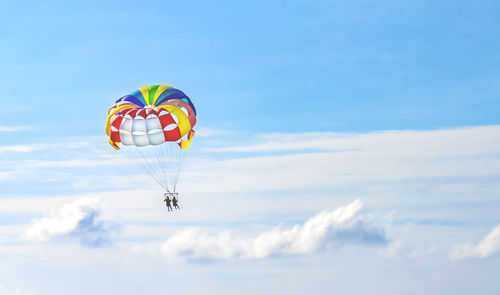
14	128
56	147
472	140
205	131
280	183
78	218
337	227
5	175
488	246
4	290
23	148
340	159
71	163
324	159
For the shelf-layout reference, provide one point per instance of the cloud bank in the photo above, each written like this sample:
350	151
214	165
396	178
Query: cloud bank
4	290
14	128
23	148
327	159
488	246
326	229
473	140
79	218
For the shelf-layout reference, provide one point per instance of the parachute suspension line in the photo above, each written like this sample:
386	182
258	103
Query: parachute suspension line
177	155
163	162
161	165
179	165
147	155
175	167
129	152
169	157
168	163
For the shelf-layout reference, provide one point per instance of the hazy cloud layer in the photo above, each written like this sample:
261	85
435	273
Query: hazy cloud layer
328	159
5	290
334	228
55	147
79	218
14	128
322	159
488	246
428	142
23	148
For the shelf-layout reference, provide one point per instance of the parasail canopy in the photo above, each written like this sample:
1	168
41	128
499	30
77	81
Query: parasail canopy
154	126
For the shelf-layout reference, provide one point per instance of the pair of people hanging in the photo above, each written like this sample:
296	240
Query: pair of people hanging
169	202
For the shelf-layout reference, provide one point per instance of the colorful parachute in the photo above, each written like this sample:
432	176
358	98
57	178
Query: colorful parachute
154	126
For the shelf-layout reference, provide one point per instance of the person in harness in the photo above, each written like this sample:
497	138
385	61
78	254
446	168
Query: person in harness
167	202
174	201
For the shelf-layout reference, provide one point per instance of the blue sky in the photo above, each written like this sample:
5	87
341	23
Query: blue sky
378	119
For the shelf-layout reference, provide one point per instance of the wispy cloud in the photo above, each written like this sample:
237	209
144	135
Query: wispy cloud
57	146
325	159
14	128
475	139
81	162
334	228
27	148
79	218
332	159
205	131
488	246
4	290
